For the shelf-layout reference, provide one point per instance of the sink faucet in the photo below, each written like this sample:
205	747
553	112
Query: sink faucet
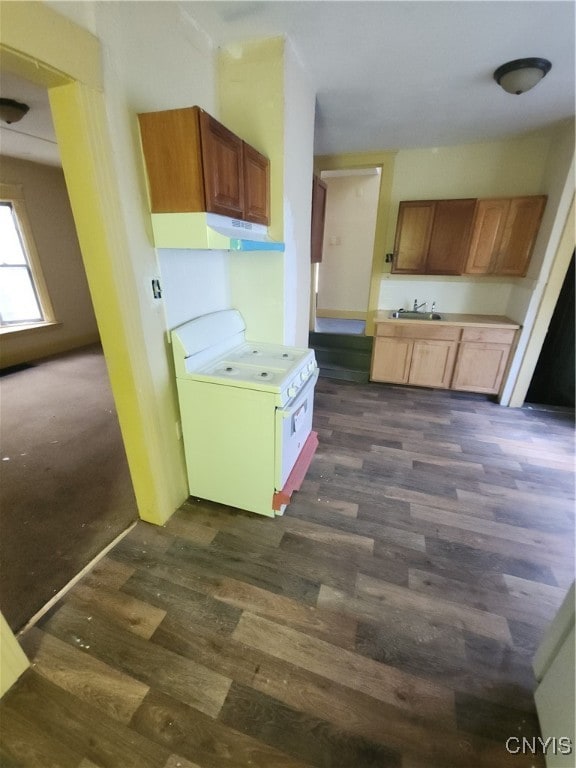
418	306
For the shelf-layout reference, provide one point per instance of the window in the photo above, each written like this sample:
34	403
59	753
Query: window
23	296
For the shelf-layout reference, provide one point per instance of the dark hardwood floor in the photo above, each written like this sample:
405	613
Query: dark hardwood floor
388	619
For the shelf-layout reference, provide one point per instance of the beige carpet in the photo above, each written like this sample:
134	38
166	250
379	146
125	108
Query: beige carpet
65	490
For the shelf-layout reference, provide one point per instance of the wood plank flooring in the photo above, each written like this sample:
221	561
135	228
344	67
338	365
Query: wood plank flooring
388	619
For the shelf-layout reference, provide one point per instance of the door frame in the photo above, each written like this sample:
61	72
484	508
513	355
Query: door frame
46	48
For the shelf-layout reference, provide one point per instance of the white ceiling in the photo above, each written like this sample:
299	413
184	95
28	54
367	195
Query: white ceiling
387	73
403	73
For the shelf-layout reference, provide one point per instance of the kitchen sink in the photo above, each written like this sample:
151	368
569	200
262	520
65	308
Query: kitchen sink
405	315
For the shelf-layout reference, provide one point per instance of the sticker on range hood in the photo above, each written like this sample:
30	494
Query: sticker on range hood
209	231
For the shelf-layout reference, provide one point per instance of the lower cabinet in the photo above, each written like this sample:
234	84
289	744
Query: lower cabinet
482	359
448	357
404	354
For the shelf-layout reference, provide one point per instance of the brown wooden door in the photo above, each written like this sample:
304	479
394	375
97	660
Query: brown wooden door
256	186
522	224
487	230
318	217
222	161
413	232
450	236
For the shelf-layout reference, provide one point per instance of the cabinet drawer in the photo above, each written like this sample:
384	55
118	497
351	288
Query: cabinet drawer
489	335
417	330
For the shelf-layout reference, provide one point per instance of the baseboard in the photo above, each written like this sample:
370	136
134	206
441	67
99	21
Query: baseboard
67	587
341	314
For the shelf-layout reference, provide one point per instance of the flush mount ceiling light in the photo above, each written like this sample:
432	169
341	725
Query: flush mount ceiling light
11	111
520	75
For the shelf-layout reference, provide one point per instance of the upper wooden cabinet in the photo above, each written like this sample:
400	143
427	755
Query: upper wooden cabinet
256	185
318	218
413	232
503	235
450	236
468	236
520	230
432	236
194	163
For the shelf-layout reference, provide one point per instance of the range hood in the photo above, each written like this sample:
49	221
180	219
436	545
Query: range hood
209	231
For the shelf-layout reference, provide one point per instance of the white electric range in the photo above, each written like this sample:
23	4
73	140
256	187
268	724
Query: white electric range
246	410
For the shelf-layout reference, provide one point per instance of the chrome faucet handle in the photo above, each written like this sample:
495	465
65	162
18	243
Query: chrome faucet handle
433	307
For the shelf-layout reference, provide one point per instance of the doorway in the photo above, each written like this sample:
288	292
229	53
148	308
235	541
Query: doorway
553	379
66	490
342	279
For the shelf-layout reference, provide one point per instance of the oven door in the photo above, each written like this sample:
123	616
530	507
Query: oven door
293	425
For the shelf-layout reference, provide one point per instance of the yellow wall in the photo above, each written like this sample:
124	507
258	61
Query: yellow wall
251	97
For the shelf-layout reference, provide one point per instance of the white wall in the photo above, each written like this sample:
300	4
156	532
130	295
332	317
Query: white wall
185	297
299	104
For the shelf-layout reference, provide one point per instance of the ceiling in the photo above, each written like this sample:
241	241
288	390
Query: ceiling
33	137
387	74
402	73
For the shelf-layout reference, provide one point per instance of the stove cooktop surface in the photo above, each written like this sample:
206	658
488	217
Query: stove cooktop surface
257	365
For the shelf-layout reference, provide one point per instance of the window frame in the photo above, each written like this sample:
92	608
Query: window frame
14	195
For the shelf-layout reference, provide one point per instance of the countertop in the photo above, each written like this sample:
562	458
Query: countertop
478	321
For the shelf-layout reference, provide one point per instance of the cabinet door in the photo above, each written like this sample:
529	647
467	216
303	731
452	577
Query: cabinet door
432	363
450	237
391	360
522	224
256	186
172	153
487	229
480	367
222	161
413	231
318	217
